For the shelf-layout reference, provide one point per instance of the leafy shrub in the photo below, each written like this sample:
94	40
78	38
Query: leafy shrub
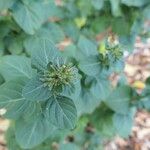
52	95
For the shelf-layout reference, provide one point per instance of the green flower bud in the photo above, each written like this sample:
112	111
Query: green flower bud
58	75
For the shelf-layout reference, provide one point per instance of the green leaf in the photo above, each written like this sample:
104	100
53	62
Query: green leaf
120	23
146	12
146	102
31	14
12	67
44	51
55	32
119	99
101	88
115	8
15	45
70	52
1	79
147	81
6	4
10	138
72	91
2	48
90	65
11	98
87	102
100	24
71	30
127	42
35	90
85	7
124	123
136	3
4	29
102	119
146	90
30	133
62	112
98	4
50	31
118	66
69	146
87	47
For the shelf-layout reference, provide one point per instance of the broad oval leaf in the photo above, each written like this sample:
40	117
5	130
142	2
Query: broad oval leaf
101	88
1	79
87	47
115	8
35	90
26	15
146	102
2	47
43	52
50	31
90	65
123	123
127	42
71	30
98	4
10	138
11	98
136	3
70	52
6	4
86	102
15	45
54	32
30	133
12	67
119	99
69	146
146	12
72	91
147	81
102	119
62	112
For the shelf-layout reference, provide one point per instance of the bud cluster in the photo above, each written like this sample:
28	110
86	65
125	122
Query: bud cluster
110	52
56	76
113	47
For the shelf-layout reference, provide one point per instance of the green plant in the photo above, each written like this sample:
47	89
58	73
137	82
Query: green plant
45	94
54	95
